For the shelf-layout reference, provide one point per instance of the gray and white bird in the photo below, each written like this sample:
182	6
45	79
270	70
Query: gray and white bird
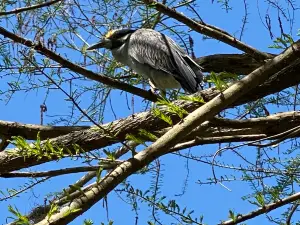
154	56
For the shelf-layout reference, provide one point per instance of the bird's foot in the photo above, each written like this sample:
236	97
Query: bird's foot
158	92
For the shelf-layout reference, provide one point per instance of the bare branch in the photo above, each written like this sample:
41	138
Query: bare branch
16	193
53	173
37	6
240	64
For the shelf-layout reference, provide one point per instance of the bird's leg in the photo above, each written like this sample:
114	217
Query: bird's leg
156	91
152	87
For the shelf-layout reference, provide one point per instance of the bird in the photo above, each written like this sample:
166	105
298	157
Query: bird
155	56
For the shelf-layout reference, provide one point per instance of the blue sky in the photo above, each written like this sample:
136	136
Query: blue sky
212	201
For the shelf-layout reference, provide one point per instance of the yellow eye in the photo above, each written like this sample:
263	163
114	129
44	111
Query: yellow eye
109	33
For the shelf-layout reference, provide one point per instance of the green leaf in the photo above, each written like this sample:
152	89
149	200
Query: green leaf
70	211
148	134
52	211
172	108
88	222
99	171
20	219
110	155
192	98
220	84
135	139
158	113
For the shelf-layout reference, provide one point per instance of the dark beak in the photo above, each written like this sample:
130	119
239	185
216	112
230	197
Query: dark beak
103	44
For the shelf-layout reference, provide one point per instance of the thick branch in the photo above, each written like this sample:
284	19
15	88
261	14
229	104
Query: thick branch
283	79
220	131
240	64
30	131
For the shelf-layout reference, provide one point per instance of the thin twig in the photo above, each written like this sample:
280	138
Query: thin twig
30	131
24	189
53	173
262	210
291	213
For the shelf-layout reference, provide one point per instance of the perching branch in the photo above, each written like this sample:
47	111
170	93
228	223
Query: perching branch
78	69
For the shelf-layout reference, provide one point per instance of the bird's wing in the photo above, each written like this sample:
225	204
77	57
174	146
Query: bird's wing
160	52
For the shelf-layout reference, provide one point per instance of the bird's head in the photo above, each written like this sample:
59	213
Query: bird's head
113	39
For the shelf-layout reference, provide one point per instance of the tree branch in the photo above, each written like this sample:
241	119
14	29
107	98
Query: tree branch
30	131
53	173
240	64
262	210
291	213
37	6
209	30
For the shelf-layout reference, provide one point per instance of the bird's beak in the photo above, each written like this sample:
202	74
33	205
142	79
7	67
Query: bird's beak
105	43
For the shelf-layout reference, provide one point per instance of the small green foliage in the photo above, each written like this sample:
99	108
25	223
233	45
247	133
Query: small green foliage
88	222
172	108
260	200
70	211
282	42
20	219
137	139
232	215
38	149
99	171
77	149
226	76
158	113
78	188
152	5
148	135
52	211
225	5
110	155
218	81
192	98
170	207
141	137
